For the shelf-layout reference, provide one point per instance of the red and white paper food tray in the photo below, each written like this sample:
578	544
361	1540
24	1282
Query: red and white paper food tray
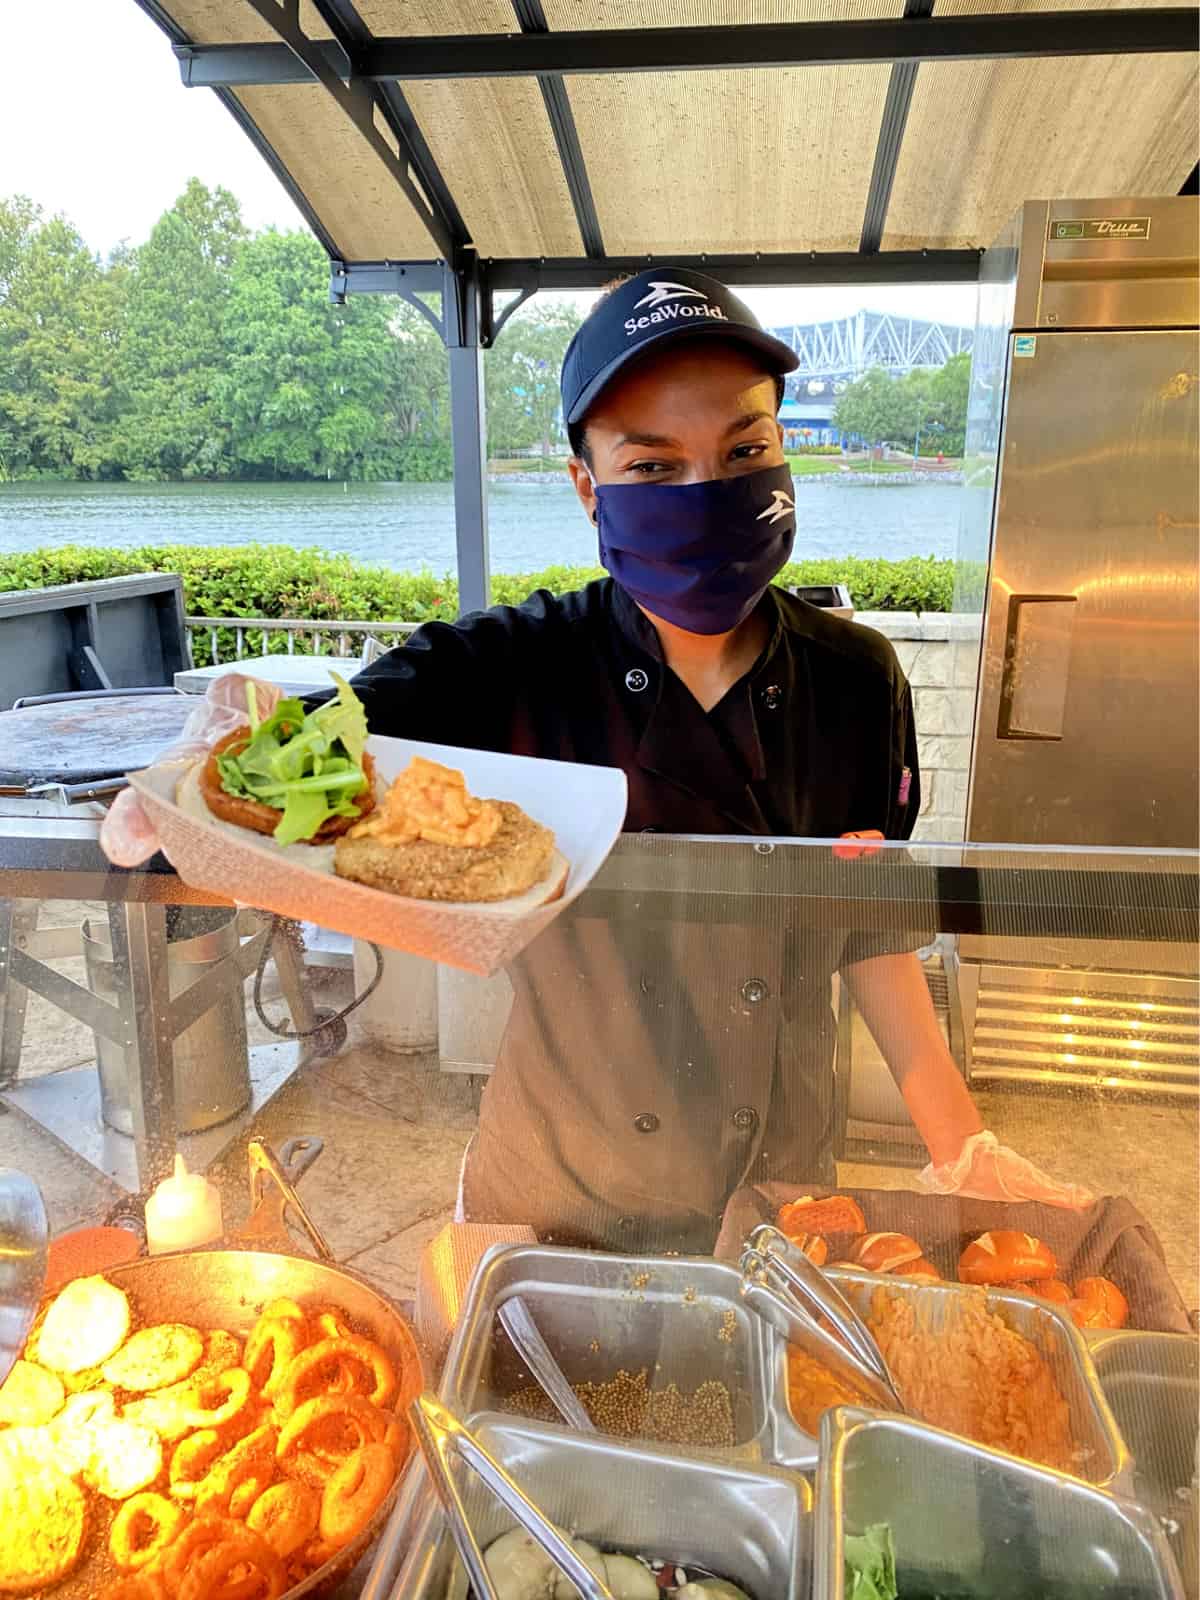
585	807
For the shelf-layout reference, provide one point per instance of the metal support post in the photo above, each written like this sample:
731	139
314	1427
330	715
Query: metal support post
462	303
287	948
139	944
18	920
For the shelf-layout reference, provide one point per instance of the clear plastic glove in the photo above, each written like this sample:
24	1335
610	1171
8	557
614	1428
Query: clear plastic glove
127	835
988	1170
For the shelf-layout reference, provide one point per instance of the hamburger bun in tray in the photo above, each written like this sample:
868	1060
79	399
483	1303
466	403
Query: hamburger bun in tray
582	806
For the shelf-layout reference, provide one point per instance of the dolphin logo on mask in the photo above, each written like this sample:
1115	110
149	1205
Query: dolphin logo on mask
782	505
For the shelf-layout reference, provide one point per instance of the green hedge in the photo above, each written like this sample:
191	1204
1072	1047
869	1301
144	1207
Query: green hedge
266	580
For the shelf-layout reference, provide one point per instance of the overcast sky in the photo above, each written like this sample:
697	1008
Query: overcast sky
106	134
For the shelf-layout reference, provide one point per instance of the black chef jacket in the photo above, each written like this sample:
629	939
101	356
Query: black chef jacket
651	1067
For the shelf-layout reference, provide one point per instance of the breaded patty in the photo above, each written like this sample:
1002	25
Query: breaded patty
30	1395
125	1458
43	1517
155	1357
85	1323
517	858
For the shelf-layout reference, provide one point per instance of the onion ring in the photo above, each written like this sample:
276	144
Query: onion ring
135	1586
245	1496
330	1324
355	1492
272	1348
283	1307
317	1554
308	1469
218	1399
319	1364
192	1460
201	1535
399	1440
301	1432
248	1459
286	1516
142	1529
210	1575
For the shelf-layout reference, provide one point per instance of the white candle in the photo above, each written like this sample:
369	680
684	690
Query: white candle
184	1211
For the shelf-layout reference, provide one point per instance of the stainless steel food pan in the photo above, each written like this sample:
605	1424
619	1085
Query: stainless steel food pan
680	1317
752	1524
974	1524
1105	1460
1152	1383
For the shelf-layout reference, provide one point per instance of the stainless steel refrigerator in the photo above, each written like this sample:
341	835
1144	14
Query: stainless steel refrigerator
1078	559
1083	448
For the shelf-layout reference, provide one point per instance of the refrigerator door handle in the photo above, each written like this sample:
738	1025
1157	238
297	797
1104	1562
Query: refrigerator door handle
1037	658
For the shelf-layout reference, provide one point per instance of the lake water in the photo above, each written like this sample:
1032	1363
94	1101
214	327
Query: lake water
408	526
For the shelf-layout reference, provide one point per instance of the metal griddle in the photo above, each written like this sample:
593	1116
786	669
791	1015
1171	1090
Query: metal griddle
81	741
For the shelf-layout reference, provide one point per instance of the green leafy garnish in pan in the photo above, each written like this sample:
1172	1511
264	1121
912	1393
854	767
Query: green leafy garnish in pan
307	767
870	1564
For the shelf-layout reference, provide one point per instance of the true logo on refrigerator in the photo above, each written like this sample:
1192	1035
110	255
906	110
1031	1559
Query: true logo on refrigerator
1109	228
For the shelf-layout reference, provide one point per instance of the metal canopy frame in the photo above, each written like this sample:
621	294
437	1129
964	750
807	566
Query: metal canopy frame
362	74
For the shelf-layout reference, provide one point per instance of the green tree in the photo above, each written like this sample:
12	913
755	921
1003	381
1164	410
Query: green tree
58	335
521	374
417	397
172	348
923	405
310	389
951	386
869	407
19	219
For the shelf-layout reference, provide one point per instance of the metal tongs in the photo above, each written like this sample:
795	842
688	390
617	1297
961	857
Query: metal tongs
790	1292
517	1322
440	1435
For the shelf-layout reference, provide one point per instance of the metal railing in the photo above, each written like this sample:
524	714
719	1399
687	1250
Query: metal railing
236	638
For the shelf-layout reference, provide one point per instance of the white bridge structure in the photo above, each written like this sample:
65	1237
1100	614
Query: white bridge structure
834	354
850	346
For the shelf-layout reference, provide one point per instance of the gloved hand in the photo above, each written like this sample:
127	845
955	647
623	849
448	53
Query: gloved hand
127	835
852	852
988	1170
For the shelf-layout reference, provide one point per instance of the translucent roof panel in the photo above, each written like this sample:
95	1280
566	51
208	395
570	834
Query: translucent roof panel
723	161
352	192
220	22
493	144
429	18
985	136
687	162
567	14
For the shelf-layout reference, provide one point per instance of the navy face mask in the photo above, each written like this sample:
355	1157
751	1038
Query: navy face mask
699	555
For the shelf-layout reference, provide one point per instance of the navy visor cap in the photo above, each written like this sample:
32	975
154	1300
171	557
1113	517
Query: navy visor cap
659	304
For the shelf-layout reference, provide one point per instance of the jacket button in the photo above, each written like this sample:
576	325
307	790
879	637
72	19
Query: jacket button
754	990
636	680
771	696
745	1118
646	1122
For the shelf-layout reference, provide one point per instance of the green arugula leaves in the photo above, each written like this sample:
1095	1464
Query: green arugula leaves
309	768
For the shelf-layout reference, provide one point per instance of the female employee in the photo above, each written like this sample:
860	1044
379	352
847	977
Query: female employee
651	1067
